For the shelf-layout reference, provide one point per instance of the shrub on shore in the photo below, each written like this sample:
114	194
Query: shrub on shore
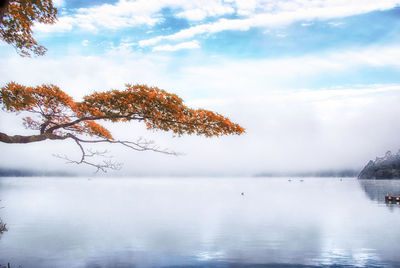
3	227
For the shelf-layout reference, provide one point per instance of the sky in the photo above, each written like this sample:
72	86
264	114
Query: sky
315	83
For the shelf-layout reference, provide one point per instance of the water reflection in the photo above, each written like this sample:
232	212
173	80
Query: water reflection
195	223
377	189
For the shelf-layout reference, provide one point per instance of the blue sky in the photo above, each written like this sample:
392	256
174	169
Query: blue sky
232	30
292	39
312	80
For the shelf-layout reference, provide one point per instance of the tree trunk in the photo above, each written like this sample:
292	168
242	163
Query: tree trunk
28	139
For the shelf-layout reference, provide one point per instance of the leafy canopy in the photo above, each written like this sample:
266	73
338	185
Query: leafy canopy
16	21
57	113
56	116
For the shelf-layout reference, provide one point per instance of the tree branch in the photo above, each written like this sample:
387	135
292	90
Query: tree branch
140	145
77	121
31	138
103	166
62	118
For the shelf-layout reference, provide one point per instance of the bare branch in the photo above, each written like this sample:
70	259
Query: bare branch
101	166
140	145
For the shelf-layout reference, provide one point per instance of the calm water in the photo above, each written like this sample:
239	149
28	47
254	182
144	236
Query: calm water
198	222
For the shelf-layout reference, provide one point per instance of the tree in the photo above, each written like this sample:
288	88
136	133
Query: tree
3	226
56	116
16	20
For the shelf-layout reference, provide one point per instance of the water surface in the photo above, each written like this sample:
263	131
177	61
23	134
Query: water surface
198	222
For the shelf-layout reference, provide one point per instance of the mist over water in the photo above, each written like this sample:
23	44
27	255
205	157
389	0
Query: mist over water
197	222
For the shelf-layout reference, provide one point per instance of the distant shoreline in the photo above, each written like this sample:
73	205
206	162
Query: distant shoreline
6	172
326	173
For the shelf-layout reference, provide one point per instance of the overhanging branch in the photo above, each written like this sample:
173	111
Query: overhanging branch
30	138
140	145
105	165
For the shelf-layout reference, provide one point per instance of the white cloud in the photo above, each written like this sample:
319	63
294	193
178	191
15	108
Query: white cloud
281	35
282	73
335	24
123	65
193	14
129	13
59	3
253	13
310	129
281	13
221	25
247	7
85	43
185	45
63	24
112	16
200	10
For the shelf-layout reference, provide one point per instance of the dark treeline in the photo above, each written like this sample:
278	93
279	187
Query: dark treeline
323	173
7	172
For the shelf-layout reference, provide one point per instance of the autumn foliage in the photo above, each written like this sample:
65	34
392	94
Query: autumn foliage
54	112
17	18
56	116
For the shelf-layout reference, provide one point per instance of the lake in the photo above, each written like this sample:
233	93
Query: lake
198	222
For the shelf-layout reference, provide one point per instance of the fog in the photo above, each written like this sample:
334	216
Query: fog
286	133
288	128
